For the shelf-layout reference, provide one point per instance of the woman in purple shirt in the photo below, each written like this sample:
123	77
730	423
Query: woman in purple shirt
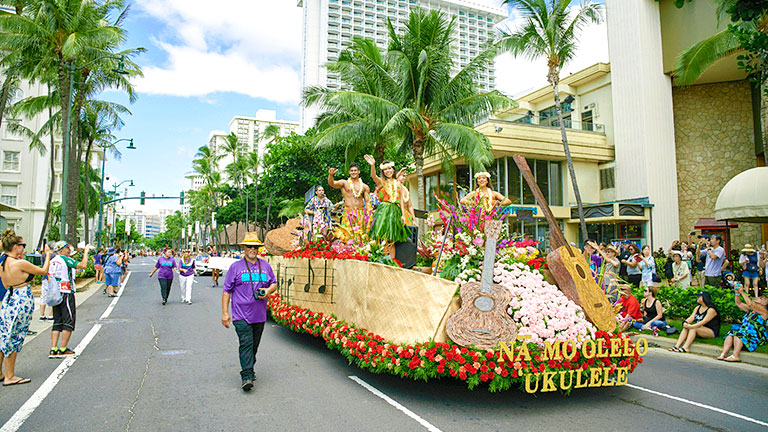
248	284
186	276
166	264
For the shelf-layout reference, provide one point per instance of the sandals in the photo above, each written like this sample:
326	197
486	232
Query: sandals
18	381
731	359
678	350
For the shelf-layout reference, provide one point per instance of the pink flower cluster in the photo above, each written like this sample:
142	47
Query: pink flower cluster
540	309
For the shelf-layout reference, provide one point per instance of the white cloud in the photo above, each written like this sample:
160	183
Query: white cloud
250	47
517	76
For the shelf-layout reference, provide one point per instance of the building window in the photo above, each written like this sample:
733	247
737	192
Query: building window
11	161
549	178
9	194
607	178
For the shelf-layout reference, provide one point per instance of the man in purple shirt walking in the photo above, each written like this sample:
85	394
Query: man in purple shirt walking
248	283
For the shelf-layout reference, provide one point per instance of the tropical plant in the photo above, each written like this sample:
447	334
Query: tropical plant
424	106
550	30
746	37
69	40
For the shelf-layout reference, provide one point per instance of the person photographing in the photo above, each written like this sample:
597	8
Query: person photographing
247	285
61	275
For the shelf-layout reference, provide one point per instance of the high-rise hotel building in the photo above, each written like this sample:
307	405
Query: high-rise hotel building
330	25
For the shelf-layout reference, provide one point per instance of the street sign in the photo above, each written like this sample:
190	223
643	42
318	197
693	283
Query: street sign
524	215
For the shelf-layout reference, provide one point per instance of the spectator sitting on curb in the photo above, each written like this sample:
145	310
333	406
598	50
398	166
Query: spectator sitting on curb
630	308
653	311
754	327
704	322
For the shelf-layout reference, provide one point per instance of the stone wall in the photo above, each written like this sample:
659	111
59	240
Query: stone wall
714	142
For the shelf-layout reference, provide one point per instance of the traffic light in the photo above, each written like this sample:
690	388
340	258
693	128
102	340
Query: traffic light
181	198
142	198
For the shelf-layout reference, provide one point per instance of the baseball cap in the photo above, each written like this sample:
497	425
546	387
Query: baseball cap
704	236
59	245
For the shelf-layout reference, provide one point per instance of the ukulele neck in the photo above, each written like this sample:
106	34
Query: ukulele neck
492	231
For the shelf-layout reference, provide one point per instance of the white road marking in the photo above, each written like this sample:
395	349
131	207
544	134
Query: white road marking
429	426
700	405
17	420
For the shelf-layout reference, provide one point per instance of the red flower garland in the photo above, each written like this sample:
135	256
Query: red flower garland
422	361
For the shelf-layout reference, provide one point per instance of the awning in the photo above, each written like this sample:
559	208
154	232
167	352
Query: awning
744	198
708	223
9	208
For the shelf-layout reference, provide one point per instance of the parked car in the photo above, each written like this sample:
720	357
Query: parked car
201	265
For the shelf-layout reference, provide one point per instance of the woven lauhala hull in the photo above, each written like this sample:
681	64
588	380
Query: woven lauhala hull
403	306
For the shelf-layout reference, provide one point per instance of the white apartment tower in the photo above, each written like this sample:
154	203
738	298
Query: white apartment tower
250	130
330	25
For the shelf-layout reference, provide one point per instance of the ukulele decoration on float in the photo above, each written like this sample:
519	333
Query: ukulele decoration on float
482	321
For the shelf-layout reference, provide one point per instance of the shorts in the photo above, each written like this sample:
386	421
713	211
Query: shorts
98	267
64	313
749	274
112	279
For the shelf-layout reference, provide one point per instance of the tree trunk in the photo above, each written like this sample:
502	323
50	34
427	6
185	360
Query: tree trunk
555	81
418	158
75	155
5	94
86	197
379	150
51	187
71	164
764	120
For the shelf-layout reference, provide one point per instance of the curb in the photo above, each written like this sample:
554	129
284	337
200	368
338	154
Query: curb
705	350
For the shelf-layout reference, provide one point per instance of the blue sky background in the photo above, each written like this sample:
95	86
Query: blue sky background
205	64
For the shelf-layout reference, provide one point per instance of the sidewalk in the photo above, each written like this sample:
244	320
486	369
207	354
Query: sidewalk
704	349
85	288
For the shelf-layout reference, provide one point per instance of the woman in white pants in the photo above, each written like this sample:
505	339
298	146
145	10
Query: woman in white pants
186	276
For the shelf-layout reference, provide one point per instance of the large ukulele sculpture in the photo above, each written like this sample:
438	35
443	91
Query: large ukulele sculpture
568	266
482	320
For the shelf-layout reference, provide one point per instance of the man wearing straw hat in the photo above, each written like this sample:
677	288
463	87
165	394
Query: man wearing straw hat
749	263
248	283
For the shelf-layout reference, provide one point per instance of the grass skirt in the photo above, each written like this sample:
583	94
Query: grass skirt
388	224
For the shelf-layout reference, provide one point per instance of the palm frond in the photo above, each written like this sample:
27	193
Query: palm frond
694	60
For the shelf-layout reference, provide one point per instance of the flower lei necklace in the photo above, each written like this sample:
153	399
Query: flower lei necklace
355	193
392	186
185	263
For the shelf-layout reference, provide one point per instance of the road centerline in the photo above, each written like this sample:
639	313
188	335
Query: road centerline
429	426
25	411
699	404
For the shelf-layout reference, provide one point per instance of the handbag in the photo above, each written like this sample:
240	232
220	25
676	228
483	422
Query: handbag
655	277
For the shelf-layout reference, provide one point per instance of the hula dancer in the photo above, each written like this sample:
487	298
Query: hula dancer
484	195
390	220
355	217
406	196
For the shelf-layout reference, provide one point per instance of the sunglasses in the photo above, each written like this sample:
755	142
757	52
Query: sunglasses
24	245
250	246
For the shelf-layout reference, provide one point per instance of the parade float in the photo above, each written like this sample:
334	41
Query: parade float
493	311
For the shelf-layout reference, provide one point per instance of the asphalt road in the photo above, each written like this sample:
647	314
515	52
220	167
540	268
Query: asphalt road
156	368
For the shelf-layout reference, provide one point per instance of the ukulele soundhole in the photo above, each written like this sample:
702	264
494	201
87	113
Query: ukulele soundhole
484	303
581	272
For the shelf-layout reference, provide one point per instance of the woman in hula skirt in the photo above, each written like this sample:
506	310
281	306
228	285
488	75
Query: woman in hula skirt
484	195
390	219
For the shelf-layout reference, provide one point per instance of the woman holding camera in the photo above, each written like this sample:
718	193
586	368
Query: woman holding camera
247	285
753	332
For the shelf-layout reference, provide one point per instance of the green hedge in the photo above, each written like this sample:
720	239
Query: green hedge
680	302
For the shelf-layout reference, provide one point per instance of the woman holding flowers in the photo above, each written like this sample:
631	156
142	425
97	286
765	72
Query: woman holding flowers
484	195
390	218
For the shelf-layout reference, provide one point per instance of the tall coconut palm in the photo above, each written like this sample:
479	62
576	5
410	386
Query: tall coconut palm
427	109
550	30
53	36
361	68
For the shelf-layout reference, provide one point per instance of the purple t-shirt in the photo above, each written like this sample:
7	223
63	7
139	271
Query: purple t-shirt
187	270
595	262
166	266
242	284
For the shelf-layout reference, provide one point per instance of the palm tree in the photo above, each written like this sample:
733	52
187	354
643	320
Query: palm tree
550	30
206	164
362	68
53	36
424	107
694	60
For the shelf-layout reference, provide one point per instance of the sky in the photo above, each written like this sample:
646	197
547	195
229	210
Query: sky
205	64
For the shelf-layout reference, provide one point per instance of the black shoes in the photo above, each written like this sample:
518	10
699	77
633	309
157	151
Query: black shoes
247	385
164	302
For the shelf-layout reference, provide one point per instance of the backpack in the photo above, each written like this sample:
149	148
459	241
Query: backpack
53	292
668	272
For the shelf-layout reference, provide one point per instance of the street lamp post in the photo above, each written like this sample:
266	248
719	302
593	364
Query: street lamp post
101	191
71	69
